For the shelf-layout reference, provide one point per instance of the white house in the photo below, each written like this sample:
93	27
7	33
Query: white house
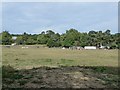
14	37
90	47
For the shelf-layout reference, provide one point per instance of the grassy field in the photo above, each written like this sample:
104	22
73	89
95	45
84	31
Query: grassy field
44	67
35	57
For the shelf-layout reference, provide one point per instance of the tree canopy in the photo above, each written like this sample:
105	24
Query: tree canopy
71	38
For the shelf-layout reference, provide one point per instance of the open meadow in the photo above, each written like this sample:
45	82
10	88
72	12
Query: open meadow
32	56
49	44
42	67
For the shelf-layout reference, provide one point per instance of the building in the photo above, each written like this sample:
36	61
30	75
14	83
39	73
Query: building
90	47
14	37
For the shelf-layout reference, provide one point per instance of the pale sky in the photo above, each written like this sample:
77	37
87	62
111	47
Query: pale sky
34	17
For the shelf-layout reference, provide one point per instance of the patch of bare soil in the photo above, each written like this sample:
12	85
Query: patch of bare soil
62	77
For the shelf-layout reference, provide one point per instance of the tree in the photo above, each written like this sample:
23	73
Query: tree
30	41
25	37
113	45
100	38
50	43
42	39
6	38
76	43
70	37
107	38
84	39
19	40
50	33
107	32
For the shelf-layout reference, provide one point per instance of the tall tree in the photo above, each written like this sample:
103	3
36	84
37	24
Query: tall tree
71	37
6	38
25	37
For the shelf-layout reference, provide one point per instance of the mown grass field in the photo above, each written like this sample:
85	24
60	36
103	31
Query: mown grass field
35	57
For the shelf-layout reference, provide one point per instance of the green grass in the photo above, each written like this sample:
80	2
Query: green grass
35	57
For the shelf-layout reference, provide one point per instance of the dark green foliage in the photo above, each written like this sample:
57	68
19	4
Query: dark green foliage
42	39
71	38
19	40
50	43
6	38
99	69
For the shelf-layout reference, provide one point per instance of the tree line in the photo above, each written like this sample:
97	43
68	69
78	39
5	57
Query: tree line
68	39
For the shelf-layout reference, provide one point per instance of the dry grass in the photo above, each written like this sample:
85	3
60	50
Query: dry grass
35	57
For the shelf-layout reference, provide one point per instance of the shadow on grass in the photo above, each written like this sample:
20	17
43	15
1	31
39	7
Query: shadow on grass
61	77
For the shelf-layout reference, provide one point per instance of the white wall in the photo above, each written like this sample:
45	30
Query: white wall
90	47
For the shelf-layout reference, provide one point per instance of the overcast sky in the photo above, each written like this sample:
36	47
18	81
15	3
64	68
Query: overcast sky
35	17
